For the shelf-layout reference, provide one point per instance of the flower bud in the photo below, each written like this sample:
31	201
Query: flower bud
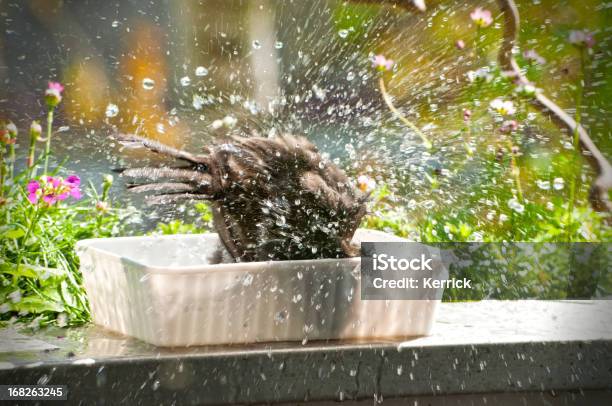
53	94
12	129
102	207
8	132
108	180
35	130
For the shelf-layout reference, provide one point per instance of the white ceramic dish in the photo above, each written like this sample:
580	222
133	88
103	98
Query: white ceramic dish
165	291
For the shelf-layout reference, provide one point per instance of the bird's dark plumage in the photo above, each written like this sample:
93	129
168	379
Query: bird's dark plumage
272	198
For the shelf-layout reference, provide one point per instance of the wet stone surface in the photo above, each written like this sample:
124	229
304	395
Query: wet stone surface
487	347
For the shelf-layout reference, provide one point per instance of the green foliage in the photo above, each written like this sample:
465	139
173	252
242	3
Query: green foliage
41	219
536	223
354	19
39	276
202	225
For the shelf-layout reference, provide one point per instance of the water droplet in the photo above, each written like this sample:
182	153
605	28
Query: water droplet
543	184
343	33
558	183
111	110
247	280
256	44
115	24
280	316
278	45
43	380
101	377
155	385
350	76
185	81
428	204
229	121
148	83
201	71
197	102
515	205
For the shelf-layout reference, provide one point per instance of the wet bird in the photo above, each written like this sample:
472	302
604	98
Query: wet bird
272	198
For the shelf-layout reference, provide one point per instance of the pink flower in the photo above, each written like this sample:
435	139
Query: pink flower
582	38
481	17
381	63
467	114
460	44
532	56
56	87
51	189
73	182
33	188
53	94
503	107
509	126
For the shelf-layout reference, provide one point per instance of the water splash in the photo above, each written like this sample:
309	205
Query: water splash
148	83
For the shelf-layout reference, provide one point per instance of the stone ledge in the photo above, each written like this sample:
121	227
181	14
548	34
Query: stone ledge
480	347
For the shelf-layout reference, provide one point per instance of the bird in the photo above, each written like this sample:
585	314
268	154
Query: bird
272	198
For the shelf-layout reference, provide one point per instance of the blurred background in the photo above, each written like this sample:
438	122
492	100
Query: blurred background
169	69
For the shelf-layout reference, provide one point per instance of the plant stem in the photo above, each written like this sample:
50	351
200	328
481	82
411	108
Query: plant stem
2	170
31	156
33	221
576	145
48	146
516	172
399	115
466	139
12	160
477	43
